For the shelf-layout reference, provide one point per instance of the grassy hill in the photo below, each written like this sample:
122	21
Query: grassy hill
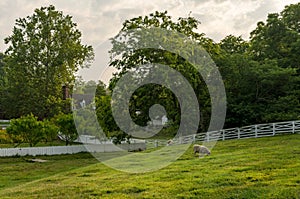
251	168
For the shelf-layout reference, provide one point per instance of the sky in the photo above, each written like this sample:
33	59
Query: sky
99	20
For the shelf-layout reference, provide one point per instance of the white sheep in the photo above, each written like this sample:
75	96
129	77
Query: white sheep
202	150
170	142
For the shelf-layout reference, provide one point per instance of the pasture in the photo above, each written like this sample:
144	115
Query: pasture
249	168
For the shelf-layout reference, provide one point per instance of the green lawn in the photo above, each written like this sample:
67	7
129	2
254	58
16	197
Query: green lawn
250	168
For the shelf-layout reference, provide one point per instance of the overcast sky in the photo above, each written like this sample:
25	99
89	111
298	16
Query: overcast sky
99	20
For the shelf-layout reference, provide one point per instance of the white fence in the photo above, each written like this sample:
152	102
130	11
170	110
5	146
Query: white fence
253	131
58	150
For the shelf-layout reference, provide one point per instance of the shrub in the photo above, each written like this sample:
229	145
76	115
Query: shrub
50	131
66	126
4	137
26	129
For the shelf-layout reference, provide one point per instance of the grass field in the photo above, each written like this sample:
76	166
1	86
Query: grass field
250	168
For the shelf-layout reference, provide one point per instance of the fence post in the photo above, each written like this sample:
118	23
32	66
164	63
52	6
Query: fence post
223	134
255	131
239	133
207	136
293	123
155	143
274	130
194	138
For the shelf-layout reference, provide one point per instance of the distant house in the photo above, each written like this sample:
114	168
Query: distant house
164	120
82	100
159	121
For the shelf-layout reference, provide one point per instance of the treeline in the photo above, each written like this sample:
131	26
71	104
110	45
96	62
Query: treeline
261	75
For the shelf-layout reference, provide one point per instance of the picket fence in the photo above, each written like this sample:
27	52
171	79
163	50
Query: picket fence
253	131
58	150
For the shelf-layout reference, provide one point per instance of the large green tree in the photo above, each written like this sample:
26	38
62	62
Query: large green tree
138	60
259	88
44	52
278	38
258	92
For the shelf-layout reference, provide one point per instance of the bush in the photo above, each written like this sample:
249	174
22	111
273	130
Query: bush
66	126
168	132
26	129
50	131
4	137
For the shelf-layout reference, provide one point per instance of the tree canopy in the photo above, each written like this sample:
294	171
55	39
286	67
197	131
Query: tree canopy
44	52
261	75
126	58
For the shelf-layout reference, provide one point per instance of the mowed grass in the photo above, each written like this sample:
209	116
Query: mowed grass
250	168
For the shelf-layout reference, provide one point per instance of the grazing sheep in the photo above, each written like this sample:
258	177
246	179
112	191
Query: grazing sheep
170	142
202	150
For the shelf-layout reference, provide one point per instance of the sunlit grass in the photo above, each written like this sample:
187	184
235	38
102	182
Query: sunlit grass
250	168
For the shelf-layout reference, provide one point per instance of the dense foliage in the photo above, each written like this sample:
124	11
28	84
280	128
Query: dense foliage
44	52
26	129
261	76
66	127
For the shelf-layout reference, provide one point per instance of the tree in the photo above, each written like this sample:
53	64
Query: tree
104	114
89	87
101	89
278	38
45	52
66	126
97	89
232	44
256	85
126	59
107	122
255	90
